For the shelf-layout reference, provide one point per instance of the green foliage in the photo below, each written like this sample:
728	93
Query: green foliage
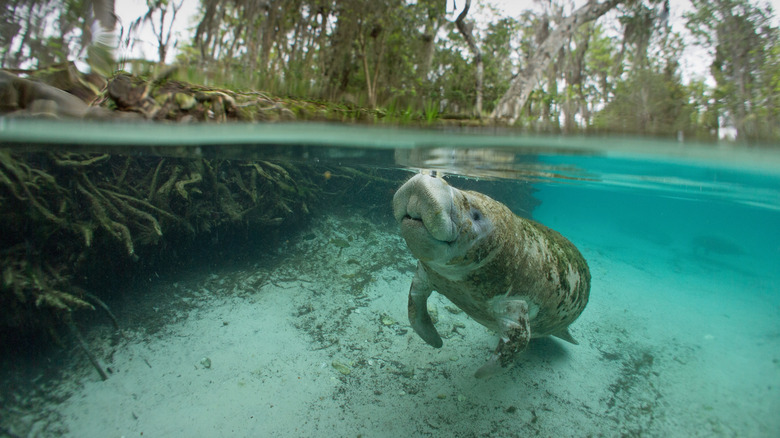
431	112
497	48
650	103
600	62
744	67
408	61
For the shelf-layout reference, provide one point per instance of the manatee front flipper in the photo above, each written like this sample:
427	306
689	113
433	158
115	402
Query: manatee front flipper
514	332
418	308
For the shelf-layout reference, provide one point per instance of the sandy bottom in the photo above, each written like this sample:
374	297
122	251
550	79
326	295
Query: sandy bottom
315	341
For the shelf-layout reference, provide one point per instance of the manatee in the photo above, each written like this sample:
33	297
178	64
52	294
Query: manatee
510	274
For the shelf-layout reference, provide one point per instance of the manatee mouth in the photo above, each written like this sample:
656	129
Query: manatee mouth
417	225
409	221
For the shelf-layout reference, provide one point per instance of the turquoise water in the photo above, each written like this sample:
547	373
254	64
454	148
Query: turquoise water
681	336
686	254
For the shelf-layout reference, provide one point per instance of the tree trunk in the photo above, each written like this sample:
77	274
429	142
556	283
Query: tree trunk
465	30
513	101
338	59
204	32
427	49
371	82
267	37
575	72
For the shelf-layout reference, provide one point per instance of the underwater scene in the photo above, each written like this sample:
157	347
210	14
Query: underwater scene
273	280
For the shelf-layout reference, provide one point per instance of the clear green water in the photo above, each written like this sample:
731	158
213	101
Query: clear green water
683	241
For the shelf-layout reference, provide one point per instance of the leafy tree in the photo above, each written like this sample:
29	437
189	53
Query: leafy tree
600	61
466	28
38	33
499	45
648	102
510	104
744	64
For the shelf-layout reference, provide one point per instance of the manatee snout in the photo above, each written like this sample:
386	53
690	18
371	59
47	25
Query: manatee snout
423	206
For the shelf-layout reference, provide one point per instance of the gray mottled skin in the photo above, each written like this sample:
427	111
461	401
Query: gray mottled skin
510	274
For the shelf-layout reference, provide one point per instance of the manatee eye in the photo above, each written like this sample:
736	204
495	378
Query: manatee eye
476	215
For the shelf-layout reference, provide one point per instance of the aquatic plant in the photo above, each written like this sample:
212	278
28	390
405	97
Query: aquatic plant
72	219
74	222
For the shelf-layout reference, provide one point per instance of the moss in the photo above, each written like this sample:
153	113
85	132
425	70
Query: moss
185	101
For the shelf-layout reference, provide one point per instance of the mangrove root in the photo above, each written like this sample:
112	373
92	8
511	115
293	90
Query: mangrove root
103	306
194	178
83	344
66	162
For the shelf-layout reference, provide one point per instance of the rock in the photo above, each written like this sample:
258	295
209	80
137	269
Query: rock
340	367
29	97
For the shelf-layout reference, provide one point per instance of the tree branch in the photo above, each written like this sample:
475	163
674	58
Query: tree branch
465	29
513	101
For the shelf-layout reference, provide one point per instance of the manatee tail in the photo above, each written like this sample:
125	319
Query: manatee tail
566	336
491	368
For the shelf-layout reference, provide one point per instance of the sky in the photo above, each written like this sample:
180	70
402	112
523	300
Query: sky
129	10
694	63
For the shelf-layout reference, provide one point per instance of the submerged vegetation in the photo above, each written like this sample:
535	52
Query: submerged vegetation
73	220
79	222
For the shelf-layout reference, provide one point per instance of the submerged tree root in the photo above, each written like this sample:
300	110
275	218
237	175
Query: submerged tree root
105	307
69	212
77	222
83	344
